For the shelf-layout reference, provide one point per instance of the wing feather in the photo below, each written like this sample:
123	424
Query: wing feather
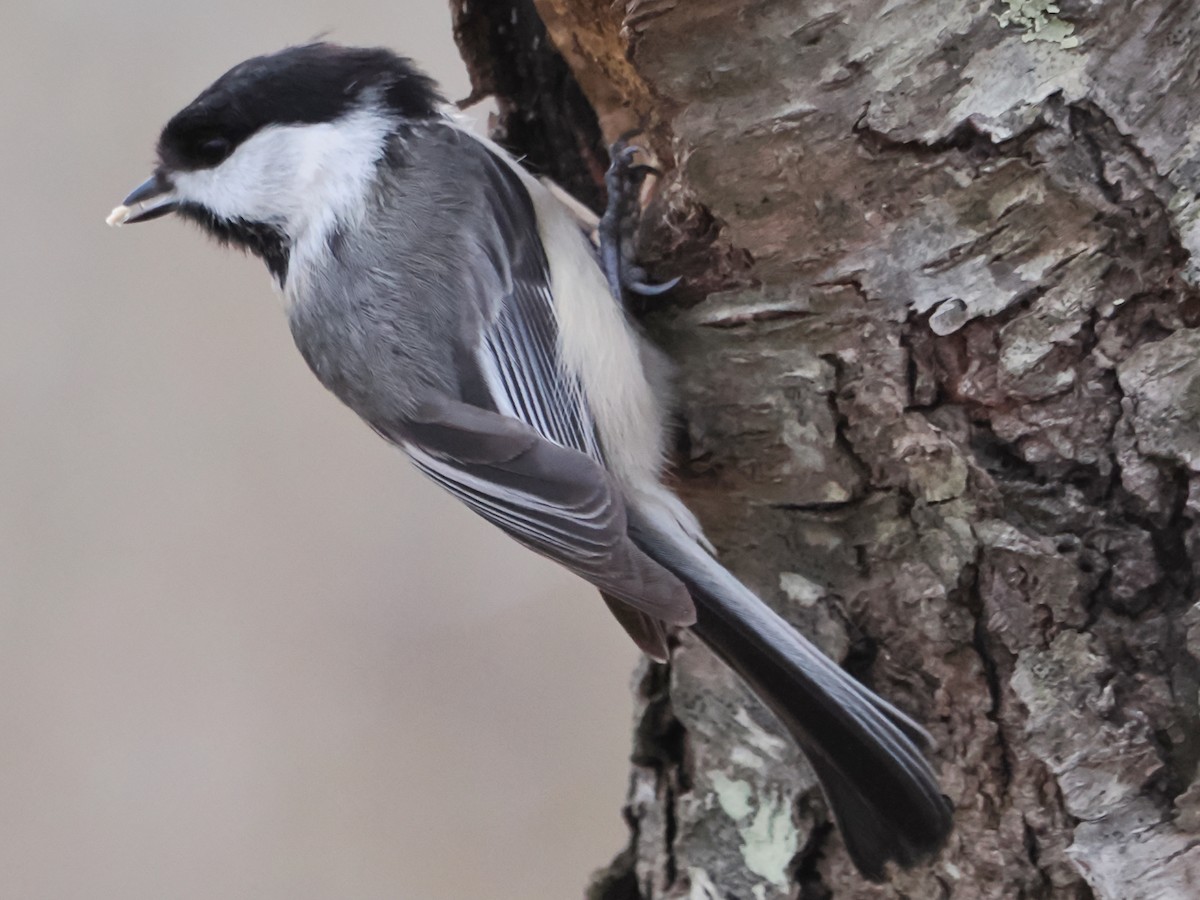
531	463
518	351
554	499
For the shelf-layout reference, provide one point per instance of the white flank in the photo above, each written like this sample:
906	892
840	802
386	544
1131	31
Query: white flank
603	350
599	346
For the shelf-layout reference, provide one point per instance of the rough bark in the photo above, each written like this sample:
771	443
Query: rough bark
939	376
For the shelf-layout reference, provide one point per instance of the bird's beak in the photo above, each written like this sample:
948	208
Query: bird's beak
152	198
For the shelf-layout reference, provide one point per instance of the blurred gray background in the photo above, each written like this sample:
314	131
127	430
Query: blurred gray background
245	652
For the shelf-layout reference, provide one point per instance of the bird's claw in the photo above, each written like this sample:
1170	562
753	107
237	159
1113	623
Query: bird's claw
646	289
618	226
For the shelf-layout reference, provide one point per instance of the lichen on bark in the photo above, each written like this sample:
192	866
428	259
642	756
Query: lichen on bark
939	379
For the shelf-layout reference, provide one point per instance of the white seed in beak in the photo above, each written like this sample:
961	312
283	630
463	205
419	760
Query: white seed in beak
117	217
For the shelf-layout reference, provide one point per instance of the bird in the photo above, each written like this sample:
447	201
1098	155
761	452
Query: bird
462	308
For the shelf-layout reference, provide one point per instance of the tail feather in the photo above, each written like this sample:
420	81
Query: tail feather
867	754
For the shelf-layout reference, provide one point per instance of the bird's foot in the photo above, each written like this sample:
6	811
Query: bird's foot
618	226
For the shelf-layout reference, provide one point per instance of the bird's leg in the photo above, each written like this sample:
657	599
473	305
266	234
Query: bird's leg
618	225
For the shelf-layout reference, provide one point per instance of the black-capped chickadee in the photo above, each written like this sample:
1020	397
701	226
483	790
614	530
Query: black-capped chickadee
457	305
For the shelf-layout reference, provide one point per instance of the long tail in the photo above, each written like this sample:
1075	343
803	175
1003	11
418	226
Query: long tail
868	755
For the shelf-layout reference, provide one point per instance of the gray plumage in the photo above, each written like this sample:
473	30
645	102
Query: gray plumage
444	283
449	300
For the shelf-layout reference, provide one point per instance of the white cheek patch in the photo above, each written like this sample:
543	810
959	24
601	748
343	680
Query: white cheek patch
248	184
300	178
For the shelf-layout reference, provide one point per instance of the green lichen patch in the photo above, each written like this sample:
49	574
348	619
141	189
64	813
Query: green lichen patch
1040	21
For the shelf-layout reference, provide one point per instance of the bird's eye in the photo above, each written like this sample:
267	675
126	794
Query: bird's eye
214	150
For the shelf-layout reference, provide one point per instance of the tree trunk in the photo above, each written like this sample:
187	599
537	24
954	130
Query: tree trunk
939	377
